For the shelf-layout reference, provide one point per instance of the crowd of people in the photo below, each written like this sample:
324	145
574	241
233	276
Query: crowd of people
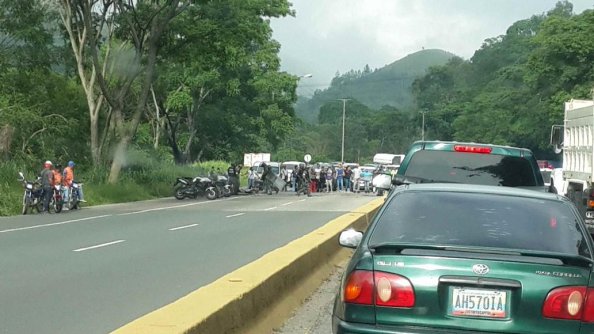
52	175
312	179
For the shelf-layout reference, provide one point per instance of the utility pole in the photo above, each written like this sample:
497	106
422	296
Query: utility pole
343	117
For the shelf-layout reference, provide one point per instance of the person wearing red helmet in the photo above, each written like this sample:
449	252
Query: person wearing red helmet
47	180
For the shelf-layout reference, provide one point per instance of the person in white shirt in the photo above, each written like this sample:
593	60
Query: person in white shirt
356	176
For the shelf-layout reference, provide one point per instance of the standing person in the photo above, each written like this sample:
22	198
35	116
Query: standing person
339	177
294	178
67	181
233	178
328	180
312	180
57	174
266	178
283	176
347	178
47	180
356	179
319	177
303	177
251	177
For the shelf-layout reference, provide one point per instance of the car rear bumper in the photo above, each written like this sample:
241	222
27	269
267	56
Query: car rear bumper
342	327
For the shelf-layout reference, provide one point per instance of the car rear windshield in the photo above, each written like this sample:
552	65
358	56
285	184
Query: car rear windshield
473	168
481	220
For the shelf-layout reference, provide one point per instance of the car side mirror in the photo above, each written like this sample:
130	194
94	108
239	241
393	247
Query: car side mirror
350	238
398	180
557	138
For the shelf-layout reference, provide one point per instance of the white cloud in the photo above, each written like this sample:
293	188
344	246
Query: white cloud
330	35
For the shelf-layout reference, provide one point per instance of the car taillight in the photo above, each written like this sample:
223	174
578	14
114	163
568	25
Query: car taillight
389	289
473	149
393	290
588	315
358	288
565	303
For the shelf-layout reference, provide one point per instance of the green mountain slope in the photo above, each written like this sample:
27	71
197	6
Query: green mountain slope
389	85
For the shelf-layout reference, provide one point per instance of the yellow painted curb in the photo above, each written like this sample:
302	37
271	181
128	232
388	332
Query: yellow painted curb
231	303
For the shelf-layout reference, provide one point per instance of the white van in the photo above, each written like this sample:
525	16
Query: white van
275	167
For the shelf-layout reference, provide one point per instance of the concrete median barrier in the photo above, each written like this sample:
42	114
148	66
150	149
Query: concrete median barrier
258	297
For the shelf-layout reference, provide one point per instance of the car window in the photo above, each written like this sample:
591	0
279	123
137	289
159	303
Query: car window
483	220
457	167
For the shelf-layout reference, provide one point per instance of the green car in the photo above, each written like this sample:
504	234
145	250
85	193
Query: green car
459	258
457	162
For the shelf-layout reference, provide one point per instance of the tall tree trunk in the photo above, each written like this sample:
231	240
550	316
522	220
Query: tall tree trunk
158	25
78	37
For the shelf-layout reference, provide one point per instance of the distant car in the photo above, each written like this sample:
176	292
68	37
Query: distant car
365	181
460	258
456	162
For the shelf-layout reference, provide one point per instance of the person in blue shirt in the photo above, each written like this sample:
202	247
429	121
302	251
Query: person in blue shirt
339	177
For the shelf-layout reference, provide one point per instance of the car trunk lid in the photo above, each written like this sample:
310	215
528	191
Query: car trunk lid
491	292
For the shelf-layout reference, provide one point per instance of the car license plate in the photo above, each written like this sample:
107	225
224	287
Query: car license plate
470	302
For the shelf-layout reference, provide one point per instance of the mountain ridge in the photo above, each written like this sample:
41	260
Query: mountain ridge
388	85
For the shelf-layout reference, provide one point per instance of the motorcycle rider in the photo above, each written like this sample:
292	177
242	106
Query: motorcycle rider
47	180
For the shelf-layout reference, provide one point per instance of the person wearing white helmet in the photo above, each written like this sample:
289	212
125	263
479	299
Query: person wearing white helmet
47	180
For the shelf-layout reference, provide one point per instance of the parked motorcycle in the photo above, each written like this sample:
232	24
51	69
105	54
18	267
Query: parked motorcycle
74	196
57	200
187	187
222	186
32	198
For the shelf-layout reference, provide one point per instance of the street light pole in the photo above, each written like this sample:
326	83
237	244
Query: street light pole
423	126
343	117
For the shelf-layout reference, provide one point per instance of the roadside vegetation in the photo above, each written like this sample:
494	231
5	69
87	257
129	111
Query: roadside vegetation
139	181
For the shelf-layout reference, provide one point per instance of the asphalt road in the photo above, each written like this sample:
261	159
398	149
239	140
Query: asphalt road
94	270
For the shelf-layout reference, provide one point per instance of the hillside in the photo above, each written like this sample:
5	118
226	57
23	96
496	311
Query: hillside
389	85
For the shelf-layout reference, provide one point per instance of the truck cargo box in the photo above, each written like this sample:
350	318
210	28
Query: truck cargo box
578	140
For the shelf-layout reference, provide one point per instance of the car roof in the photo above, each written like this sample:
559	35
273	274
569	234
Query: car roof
479	189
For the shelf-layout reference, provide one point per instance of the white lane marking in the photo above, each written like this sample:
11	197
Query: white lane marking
288	203
97	246
235	215
172	207
53	224
181	227
301	200
272	208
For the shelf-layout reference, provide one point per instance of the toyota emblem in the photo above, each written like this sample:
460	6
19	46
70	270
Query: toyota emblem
480	269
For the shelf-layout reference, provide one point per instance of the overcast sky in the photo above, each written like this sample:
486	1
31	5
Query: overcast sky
326	36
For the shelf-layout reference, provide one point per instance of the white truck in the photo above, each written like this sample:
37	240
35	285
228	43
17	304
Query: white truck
575	138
